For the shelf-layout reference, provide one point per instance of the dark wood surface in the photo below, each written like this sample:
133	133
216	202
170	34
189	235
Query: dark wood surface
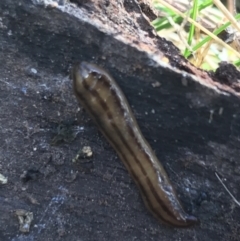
193	125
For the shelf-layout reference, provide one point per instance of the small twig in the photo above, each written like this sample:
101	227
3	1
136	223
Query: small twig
231	6
234	199
228	14
203	53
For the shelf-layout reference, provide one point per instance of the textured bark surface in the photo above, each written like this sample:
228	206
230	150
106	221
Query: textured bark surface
192	122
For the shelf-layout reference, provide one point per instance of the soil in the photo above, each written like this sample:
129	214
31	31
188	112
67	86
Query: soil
191	119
